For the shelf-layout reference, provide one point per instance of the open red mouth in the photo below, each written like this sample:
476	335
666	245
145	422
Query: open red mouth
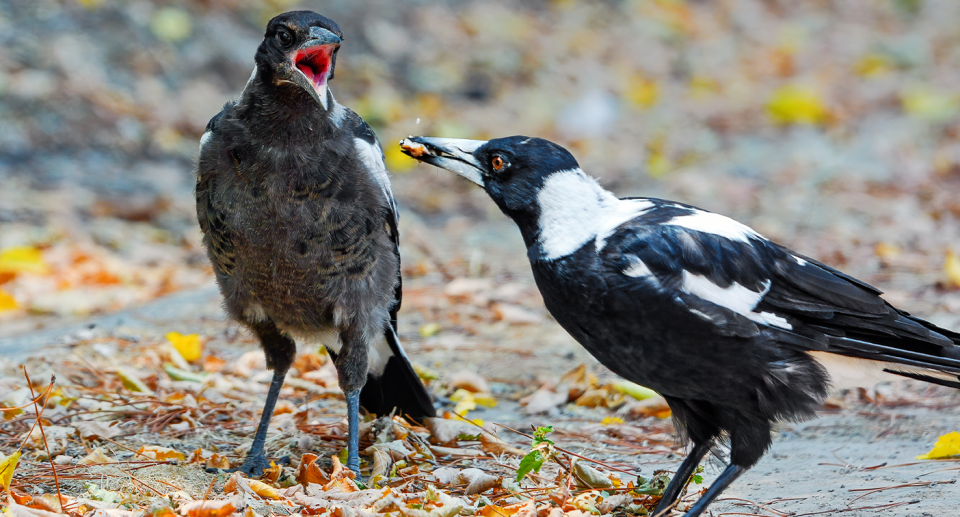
314	62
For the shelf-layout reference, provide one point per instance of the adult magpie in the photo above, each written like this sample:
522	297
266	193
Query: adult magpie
300	224
735	331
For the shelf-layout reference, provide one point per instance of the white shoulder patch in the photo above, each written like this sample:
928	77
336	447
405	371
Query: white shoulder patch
736	297
205	138
575	209
372	158
716	224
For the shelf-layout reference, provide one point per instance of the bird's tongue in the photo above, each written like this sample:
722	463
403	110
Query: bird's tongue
314	62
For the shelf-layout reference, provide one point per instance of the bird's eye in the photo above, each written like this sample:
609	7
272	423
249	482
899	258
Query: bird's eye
497	163
284	38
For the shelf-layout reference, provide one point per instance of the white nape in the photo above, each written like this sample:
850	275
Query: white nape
575	209
735	297
337	112
708	222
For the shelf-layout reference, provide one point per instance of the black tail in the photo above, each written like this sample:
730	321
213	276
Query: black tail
398	386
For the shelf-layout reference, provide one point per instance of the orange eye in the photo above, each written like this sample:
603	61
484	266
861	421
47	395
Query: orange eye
497	163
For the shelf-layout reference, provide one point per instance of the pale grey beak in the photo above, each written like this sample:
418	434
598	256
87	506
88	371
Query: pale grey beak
453	154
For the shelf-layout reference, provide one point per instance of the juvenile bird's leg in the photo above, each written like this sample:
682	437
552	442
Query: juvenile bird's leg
679	480
280	352
353	431
731	473
352	372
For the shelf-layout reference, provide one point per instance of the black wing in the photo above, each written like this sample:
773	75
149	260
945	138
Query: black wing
747	284
221	240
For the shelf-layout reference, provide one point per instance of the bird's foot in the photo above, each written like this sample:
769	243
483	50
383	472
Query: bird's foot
254	465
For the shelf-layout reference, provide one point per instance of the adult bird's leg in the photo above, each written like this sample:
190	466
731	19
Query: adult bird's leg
352	372
679	480
731	473
280	352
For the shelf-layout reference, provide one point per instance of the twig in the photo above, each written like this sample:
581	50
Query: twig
56	478
602	464
870	491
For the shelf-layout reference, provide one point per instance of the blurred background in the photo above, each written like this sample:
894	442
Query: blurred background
830	126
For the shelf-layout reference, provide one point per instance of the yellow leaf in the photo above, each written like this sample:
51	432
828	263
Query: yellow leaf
872	65
429	329
925	103
610	420
156	452
947	446
465	401
188	345
132	382
262	489
484	400
794	104
952	267
171	24
7	303
23	259
642	92
634	390
7	465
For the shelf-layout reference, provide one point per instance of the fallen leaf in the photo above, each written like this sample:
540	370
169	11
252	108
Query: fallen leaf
262	489
132	382
96	457
188	345
218	462
468	380
925	103
208	509
795	104
947	446
308	471
90	429
7	302
429	329
611	420
634	390
155	452
496	446
588	476
23	259
952	267
542	400
7	465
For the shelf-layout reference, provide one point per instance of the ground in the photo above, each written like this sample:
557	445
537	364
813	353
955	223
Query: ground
831	127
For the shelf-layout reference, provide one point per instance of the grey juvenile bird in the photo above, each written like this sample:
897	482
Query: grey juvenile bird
301	226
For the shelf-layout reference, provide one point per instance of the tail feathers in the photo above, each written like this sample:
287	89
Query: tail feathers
397	386
940	378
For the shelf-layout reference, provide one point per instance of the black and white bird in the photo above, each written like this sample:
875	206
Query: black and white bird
300	224
735	331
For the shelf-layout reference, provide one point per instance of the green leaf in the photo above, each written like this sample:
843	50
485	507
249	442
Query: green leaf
698	479
540	435
531	462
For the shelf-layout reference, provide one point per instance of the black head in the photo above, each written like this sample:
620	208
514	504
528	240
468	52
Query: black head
512	170
298	54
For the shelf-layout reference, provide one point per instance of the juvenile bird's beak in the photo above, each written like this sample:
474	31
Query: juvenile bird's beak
453	154
314	61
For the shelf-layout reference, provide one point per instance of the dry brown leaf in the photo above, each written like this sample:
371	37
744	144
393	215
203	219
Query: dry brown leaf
96	457
90	429
446	431
593	398
470	381
477	481
155	452
496	446
264	490
16	510
308	471
457	453
218	462
542	400
208	508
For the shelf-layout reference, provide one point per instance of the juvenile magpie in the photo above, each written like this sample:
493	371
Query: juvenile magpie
300	224
735	331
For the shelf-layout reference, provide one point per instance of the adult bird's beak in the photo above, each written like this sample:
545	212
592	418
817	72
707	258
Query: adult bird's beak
314	61
453	154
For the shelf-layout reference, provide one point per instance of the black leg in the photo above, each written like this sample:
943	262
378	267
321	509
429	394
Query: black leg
280	352
679	480
256	461
731	473
353	431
